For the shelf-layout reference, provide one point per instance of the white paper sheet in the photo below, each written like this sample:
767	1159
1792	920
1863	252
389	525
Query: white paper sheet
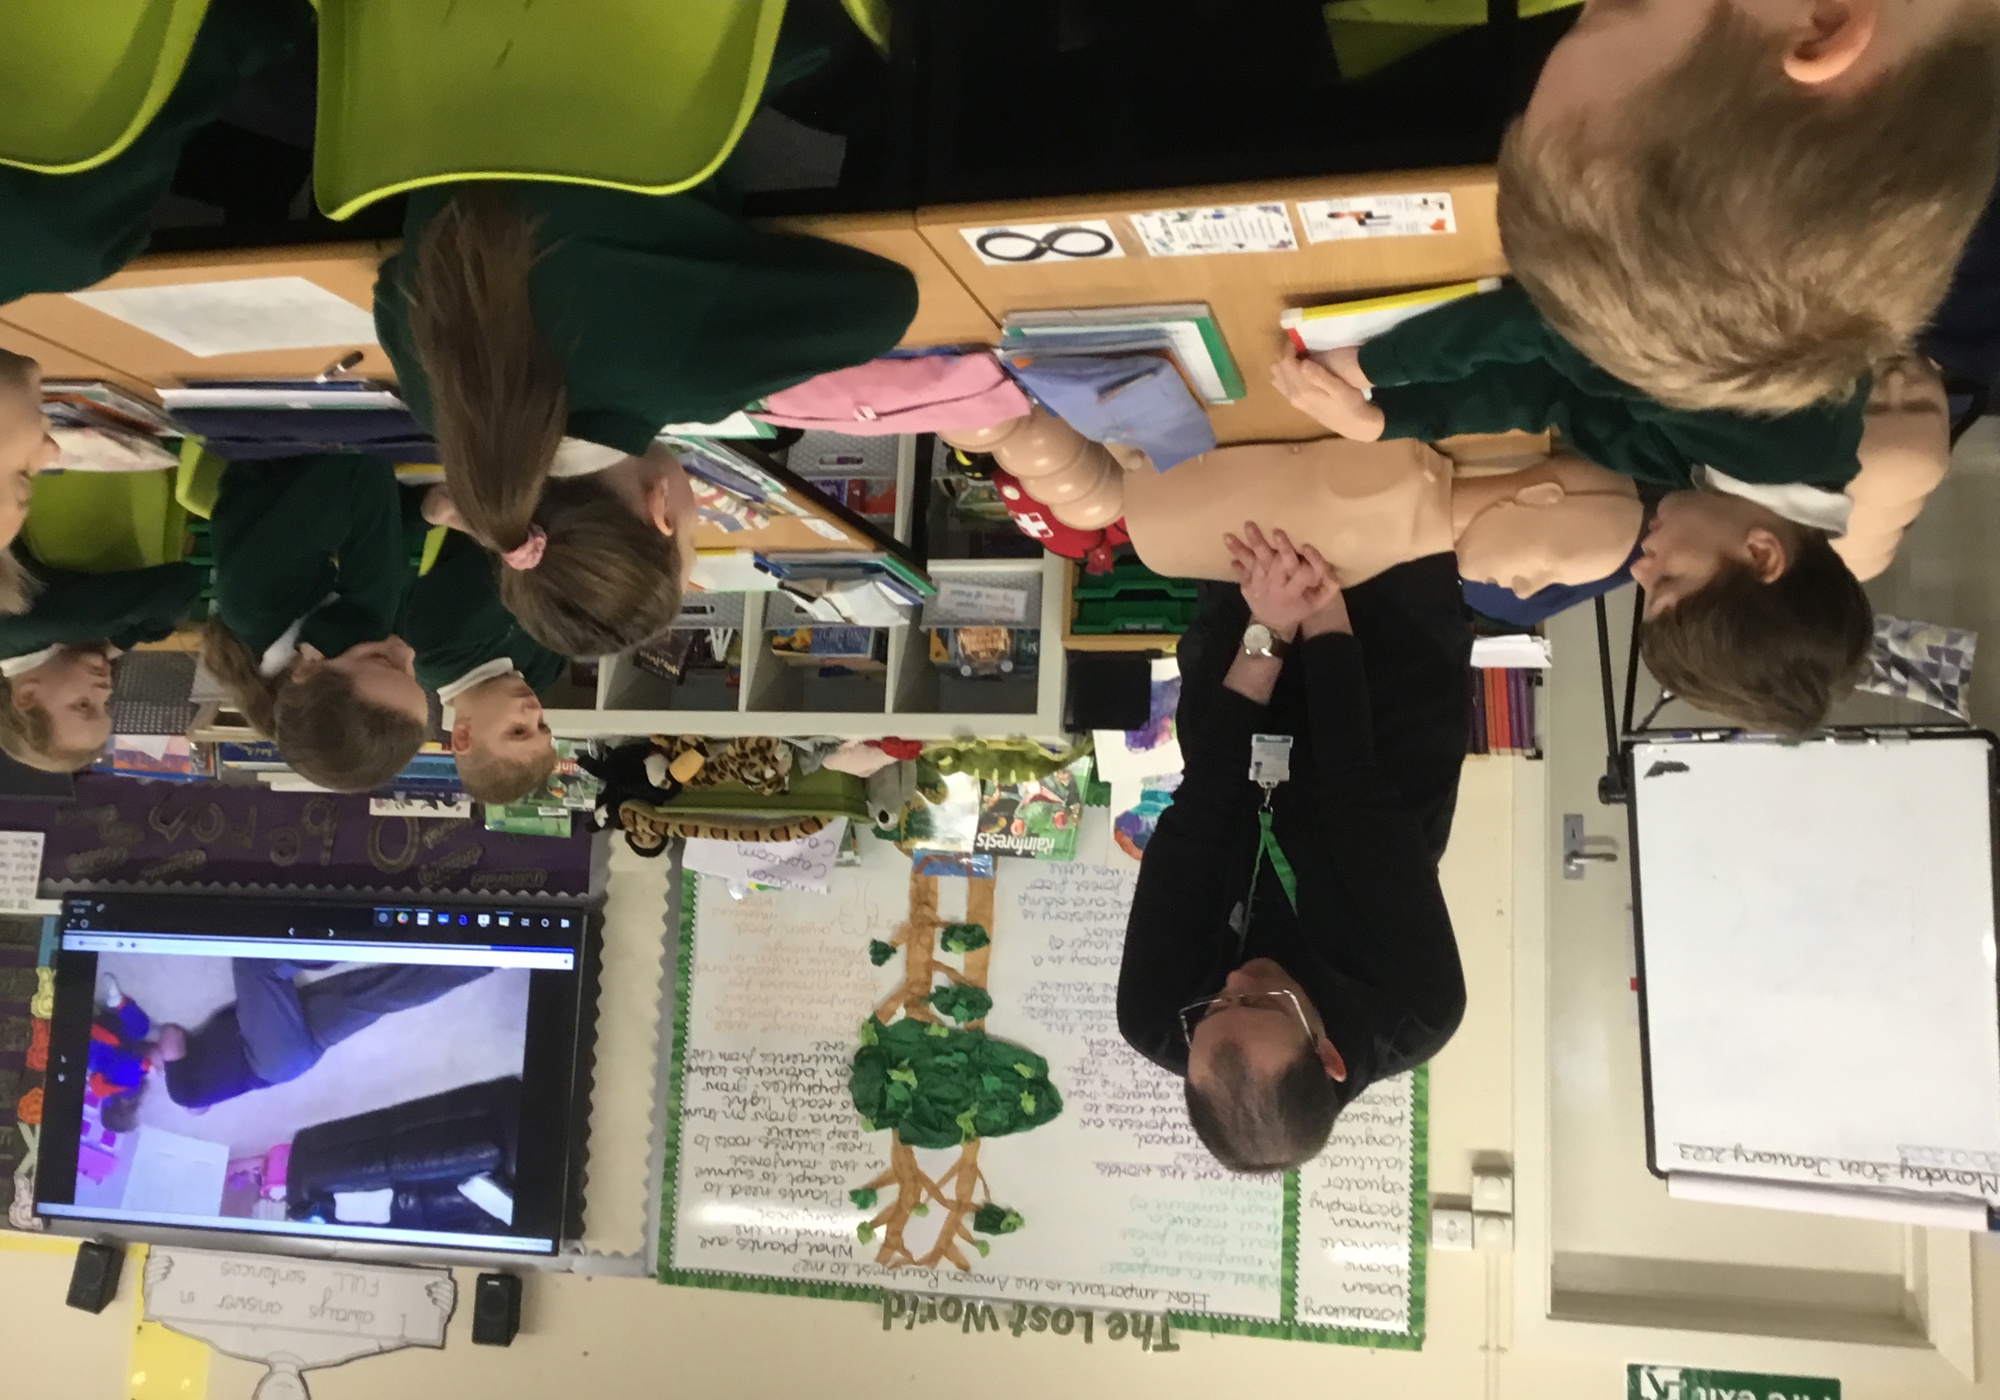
1016	245
1224	228
804	864
20	870
1377	216
238	317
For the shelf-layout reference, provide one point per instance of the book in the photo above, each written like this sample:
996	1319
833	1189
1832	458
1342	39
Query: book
1037	819
112	404
1187	330
1343	323
282	393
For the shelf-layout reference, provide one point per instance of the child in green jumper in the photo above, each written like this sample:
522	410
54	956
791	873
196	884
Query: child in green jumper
1749	610
309	570
547	332
26	449
1748	204
55	659
487	672
61	233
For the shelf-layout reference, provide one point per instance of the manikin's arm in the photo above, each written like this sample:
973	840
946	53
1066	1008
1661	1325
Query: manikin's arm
1905	449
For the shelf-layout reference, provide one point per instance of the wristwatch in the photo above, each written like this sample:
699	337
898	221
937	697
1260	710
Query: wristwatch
1259	640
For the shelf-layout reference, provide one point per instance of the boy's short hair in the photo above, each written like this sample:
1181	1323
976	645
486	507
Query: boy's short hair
1770	656
1735	240
500	781
1253	1127
27	737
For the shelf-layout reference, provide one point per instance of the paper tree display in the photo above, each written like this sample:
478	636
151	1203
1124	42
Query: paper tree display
936	1085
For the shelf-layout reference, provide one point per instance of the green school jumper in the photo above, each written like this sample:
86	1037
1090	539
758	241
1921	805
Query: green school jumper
667	309
291	534
138	605
1485	364
59	233
453	618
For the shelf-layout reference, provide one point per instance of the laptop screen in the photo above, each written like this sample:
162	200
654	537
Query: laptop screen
394	1073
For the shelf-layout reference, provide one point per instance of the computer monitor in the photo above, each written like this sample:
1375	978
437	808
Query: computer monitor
386	1073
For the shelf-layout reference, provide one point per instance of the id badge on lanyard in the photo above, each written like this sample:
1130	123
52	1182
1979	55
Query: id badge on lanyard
1271	764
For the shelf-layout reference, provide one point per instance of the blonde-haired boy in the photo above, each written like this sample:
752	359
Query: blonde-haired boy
1747	203
486	671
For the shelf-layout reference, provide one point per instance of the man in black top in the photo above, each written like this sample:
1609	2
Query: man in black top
1278	1004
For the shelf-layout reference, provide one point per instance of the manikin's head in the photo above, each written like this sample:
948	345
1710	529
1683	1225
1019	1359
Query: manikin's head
57	716
501	740
1544	534
1748	614
1746	203
1264	1082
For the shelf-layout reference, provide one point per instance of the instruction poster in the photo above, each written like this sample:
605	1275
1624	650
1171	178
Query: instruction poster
1014	1149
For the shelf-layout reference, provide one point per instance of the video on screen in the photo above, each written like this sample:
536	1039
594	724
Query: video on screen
354	1096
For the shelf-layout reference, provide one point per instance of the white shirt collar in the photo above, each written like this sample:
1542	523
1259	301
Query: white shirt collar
279	654
13	666
478	675
1814	507
575	457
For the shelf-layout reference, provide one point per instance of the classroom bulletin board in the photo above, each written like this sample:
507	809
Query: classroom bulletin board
776	1182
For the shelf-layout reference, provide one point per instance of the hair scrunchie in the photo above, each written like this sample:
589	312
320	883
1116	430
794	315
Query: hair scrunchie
528	552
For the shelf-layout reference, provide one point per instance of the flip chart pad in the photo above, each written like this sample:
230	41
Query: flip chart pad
1817	932
1119	1206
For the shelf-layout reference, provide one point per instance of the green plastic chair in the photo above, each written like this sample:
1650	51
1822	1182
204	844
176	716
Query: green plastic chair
106	522
84	77
641	95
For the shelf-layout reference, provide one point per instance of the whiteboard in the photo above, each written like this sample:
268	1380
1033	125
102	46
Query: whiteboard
1124	1208
1818	966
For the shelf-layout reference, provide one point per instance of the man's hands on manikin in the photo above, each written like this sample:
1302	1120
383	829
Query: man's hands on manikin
1290	589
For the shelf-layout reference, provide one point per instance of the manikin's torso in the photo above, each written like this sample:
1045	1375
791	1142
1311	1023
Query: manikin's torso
1370	506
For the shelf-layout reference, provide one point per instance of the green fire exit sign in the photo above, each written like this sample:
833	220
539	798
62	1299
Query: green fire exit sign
1689	1383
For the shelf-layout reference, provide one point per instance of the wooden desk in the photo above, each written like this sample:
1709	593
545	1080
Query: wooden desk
1246	290
60	362
962	300
345	269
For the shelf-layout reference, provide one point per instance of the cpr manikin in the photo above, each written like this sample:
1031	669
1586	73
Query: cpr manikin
1368	506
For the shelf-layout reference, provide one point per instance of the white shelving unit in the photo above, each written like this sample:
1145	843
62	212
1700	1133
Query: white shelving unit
908	699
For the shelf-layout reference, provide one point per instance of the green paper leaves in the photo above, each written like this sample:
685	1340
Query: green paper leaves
864	1198
945	1090
983	1248
962	938
870	1031
995	1219
921	1208
880	952
865	1232
962	1003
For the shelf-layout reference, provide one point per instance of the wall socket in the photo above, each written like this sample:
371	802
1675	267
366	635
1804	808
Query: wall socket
1451	1228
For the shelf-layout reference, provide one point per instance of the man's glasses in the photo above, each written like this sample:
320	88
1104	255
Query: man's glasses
1281	1000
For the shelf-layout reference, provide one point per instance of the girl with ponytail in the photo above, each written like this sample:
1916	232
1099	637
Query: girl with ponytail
546	333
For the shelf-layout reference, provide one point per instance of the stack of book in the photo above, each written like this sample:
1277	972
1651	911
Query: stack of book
1186	331
1503	712
101	427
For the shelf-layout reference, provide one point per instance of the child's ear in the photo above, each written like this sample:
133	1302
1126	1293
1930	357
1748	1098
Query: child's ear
307	660
1831	40
1769	555
659	505
461	737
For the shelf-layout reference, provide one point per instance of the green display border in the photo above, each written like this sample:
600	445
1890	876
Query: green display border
1283	1330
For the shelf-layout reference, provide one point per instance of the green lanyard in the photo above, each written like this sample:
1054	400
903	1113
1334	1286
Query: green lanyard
1267	845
